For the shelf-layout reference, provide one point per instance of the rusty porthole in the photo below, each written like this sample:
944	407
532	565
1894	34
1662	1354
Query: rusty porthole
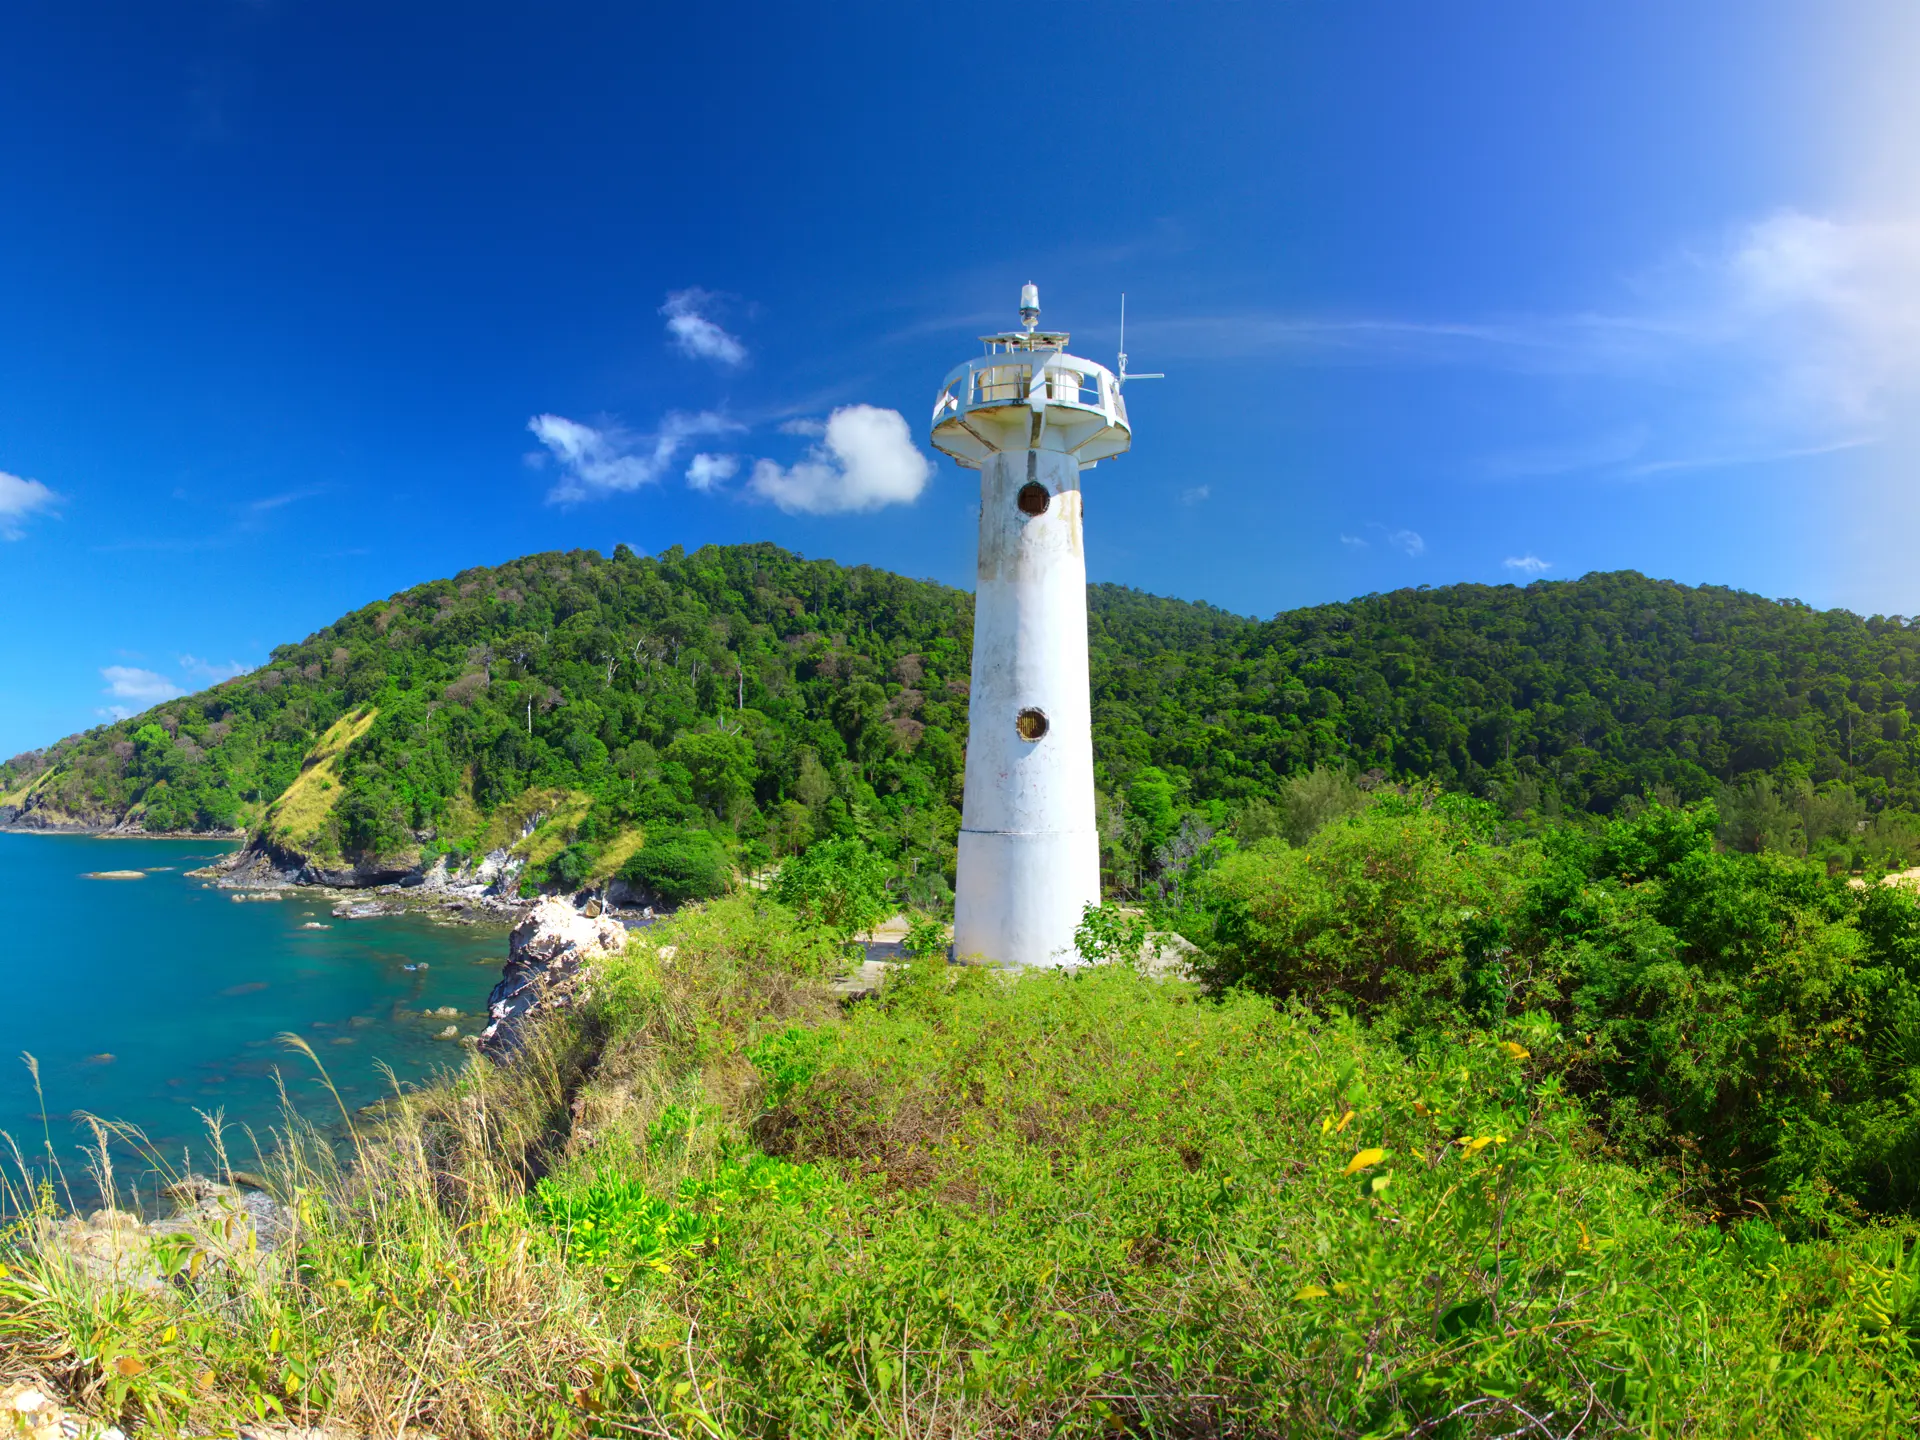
1031	724
1032	500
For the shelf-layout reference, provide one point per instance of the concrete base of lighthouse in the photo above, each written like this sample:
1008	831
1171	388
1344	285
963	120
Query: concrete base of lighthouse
1029	855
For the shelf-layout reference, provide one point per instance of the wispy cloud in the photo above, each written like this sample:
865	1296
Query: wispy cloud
1527	564
596	461
1789	335
1353	542
1195	494
698	335
865	460
707	472
1574	456
1332	339
19	499
210	671
1765	457
142	688
1407	542
803	425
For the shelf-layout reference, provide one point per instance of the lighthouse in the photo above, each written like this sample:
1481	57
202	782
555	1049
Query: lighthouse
1032	419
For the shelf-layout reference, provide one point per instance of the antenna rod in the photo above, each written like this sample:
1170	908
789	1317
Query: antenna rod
1123	376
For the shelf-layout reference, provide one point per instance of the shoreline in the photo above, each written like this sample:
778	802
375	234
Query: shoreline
429	894
87	832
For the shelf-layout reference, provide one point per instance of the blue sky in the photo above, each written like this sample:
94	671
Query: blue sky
301	304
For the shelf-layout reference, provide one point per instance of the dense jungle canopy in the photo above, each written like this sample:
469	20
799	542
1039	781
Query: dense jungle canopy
768	699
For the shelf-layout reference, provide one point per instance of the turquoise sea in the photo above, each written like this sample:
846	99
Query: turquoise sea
147	1000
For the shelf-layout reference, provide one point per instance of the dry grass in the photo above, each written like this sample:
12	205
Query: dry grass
565	810
553	813
617	852
415	1291
299	817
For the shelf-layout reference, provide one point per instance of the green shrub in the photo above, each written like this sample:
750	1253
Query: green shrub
1747	1015
570	868
1107	934
926	937
617	1225
1376	911
838	884
679	866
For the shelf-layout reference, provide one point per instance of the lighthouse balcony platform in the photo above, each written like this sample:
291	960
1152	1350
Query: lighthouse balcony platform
1030	399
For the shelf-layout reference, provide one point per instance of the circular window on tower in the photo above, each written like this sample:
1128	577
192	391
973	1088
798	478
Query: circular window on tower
1031	723
1032	500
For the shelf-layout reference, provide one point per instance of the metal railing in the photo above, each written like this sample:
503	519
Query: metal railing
1012	383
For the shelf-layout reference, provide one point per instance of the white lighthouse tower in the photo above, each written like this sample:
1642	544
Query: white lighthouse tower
1030	418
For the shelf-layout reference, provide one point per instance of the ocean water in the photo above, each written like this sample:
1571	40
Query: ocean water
146	1001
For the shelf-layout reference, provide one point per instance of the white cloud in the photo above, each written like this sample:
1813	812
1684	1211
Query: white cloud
803	425
143	687
1789	334
607	460
865	460
1195	494
1527	564
210	671
20	498
1352	542
708	471
695	334
1834	306
1406	540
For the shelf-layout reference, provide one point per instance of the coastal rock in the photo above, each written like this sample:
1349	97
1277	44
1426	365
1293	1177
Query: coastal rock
548	959
35	813
223	1224
258	866
363	874
497	873
365	910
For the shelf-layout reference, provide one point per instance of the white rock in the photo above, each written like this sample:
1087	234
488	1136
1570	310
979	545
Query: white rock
555	931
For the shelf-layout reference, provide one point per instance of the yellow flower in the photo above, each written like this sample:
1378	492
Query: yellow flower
1364	1159
1514	1052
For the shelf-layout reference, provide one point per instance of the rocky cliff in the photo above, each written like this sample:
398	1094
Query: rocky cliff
549	963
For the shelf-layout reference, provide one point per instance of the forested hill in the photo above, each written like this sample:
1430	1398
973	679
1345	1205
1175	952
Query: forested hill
768	699
1597	688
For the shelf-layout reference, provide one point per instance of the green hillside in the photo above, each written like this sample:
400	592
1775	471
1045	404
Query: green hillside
769	699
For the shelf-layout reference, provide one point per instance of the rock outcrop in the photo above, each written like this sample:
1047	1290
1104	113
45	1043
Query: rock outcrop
36	812
222	1224
549	960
